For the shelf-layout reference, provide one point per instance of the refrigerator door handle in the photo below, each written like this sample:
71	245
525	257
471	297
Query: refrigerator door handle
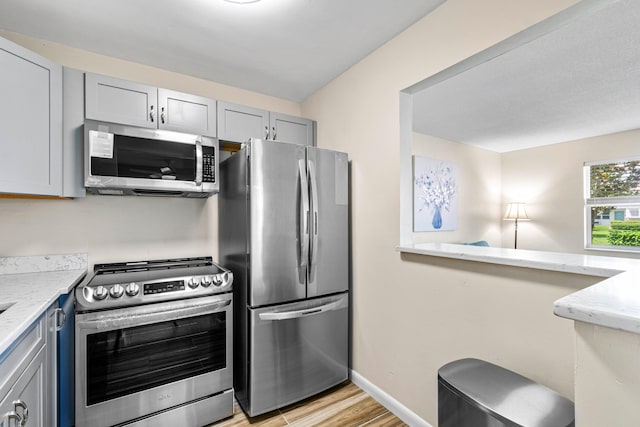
304	217
296	314
314	220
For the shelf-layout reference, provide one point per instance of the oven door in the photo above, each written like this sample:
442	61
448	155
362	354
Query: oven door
135	361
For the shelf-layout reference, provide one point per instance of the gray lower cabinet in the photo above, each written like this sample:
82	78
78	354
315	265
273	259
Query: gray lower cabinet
26	401
30	122
28	377
238	123
124	102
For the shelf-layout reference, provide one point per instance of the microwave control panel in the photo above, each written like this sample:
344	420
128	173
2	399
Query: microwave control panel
208	164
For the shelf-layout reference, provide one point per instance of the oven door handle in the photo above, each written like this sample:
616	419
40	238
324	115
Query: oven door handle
158	315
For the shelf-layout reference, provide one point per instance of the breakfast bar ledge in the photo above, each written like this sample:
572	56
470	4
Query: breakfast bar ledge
613	303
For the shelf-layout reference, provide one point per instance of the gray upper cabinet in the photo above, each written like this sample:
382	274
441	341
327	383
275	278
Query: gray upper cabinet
183	112
125	102
30	122
291	129
120	101
73	133
238	123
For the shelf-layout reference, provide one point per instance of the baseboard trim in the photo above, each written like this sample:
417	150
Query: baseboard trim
398	409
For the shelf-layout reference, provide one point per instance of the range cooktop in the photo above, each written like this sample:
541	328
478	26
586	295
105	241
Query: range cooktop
143	282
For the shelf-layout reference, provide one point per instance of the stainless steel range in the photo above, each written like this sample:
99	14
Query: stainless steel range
153	344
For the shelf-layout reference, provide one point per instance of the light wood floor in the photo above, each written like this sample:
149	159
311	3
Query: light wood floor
343	406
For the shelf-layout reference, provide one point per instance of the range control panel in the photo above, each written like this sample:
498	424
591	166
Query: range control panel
95	296
208	164
160	287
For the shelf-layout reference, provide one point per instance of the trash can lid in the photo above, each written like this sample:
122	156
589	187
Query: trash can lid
506	395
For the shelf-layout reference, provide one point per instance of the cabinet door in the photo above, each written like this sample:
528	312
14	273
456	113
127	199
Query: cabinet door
287	128
120	101
183	112
50	408
73	133
238	123
30	122
30	389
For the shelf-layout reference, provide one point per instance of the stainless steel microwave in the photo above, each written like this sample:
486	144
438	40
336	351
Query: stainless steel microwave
125	160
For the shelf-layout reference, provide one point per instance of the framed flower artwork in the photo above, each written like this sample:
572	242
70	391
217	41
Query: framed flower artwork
435	195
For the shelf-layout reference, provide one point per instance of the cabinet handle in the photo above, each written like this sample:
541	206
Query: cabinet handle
25	411
266	132
61	319
273	133
12	415
152	115
162	116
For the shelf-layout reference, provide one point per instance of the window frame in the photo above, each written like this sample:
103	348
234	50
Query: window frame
618	202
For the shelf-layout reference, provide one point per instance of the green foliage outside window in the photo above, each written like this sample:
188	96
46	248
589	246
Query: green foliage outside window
625	225
614	192
615	179
624	233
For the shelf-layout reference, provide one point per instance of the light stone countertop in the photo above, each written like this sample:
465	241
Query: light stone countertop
29	285
613	303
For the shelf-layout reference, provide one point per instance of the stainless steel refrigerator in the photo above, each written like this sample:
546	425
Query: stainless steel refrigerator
284	232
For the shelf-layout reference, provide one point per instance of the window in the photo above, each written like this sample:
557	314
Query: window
612	205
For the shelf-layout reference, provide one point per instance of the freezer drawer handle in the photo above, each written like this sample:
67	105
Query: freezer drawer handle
296	314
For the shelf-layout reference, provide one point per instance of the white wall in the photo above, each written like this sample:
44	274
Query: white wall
414	313
92	62
550	180
479	190
121	228
607	376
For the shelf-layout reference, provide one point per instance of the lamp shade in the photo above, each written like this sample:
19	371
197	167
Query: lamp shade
516	211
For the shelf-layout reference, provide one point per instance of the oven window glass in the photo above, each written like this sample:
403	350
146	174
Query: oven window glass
147	158
130	360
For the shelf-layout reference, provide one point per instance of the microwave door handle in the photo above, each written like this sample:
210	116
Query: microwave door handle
304	217
198	162
113	322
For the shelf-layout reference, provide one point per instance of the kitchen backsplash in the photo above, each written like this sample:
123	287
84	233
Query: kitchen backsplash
35	264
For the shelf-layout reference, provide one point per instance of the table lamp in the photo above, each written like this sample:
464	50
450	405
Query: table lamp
516	211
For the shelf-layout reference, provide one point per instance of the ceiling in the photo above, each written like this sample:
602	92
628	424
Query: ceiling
575	76
284	48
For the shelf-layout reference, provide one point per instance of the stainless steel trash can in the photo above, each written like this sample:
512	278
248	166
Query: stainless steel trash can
475	393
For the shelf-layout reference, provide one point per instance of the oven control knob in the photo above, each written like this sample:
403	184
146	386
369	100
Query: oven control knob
218	279
100	293
206	281
194	282
132	289
116	291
